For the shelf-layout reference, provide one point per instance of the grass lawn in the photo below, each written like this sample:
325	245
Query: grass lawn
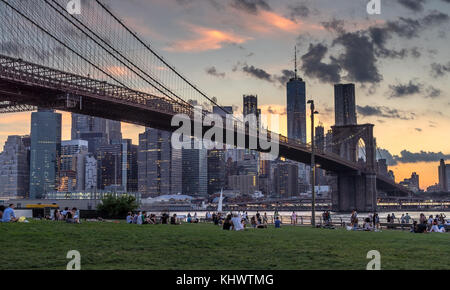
44	245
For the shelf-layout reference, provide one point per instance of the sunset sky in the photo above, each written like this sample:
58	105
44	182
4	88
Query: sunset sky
399	61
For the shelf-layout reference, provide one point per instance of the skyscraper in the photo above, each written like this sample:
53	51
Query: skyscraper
45	152
159	165
216	170
250	105
194	171
444	176
285	179
97	131
72	170
15	168
109	162
344	104
296	115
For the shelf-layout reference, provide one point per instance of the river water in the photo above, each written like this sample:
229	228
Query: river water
383	215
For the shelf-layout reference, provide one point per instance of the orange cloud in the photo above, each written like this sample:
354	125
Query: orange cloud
208	39
279	22
117	70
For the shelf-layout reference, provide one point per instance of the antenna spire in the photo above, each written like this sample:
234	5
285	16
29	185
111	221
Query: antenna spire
295	61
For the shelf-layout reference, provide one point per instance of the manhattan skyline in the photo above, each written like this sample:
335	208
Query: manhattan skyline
400	65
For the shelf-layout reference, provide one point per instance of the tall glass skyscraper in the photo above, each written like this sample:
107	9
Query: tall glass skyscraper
296	109
45	152
194	171
296	118
159	165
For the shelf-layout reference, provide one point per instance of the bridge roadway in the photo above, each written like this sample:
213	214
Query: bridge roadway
25	86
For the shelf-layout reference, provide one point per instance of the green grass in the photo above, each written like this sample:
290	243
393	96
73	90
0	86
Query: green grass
44	245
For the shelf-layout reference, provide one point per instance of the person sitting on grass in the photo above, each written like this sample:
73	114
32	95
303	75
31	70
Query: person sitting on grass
69	217
129	218
237	223
164	218
9	214
2	208
173	220
418	228
367	225
76	215
152	219
57	215
277	223
435	228
227	224
253	221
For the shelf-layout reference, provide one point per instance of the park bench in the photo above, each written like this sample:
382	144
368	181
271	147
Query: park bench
401	226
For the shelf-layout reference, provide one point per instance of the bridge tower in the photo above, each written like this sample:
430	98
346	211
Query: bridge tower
355	190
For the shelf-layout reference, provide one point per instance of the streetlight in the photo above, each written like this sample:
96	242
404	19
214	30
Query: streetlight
313	165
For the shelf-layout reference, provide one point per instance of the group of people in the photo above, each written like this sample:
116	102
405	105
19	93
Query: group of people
142	218
239	222
435	224
370	223
71	216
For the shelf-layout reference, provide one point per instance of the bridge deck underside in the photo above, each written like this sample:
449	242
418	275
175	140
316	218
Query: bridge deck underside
27	92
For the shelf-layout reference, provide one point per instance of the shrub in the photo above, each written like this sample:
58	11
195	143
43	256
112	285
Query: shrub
117	206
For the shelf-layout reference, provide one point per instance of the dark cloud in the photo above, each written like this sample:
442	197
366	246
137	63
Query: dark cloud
433	92
334	25
439	70
404	90
414	5
213	71
298	10
251	6
274	111
383	112
415	52
422	156
257	73
313	66
418	129
435	18
285	76
410	157
385	154
359	58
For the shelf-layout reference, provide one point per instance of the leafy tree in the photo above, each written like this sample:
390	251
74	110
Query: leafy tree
117	206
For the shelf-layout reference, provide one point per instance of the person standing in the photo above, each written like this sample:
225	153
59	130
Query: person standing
294	218
407	218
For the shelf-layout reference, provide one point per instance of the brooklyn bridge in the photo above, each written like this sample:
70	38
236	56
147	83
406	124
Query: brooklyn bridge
93	64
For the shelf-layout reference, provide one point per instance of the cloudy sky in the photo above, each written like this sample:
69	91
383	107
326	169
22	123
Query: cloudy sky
399	60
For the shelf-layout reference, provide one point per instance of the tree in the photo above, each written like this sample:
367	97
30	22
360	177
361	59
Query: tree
117	207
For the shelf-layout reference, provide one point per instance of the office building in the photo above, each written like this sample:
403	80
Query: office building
159	165
45	152
286	179
444	176
15	168
194	171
